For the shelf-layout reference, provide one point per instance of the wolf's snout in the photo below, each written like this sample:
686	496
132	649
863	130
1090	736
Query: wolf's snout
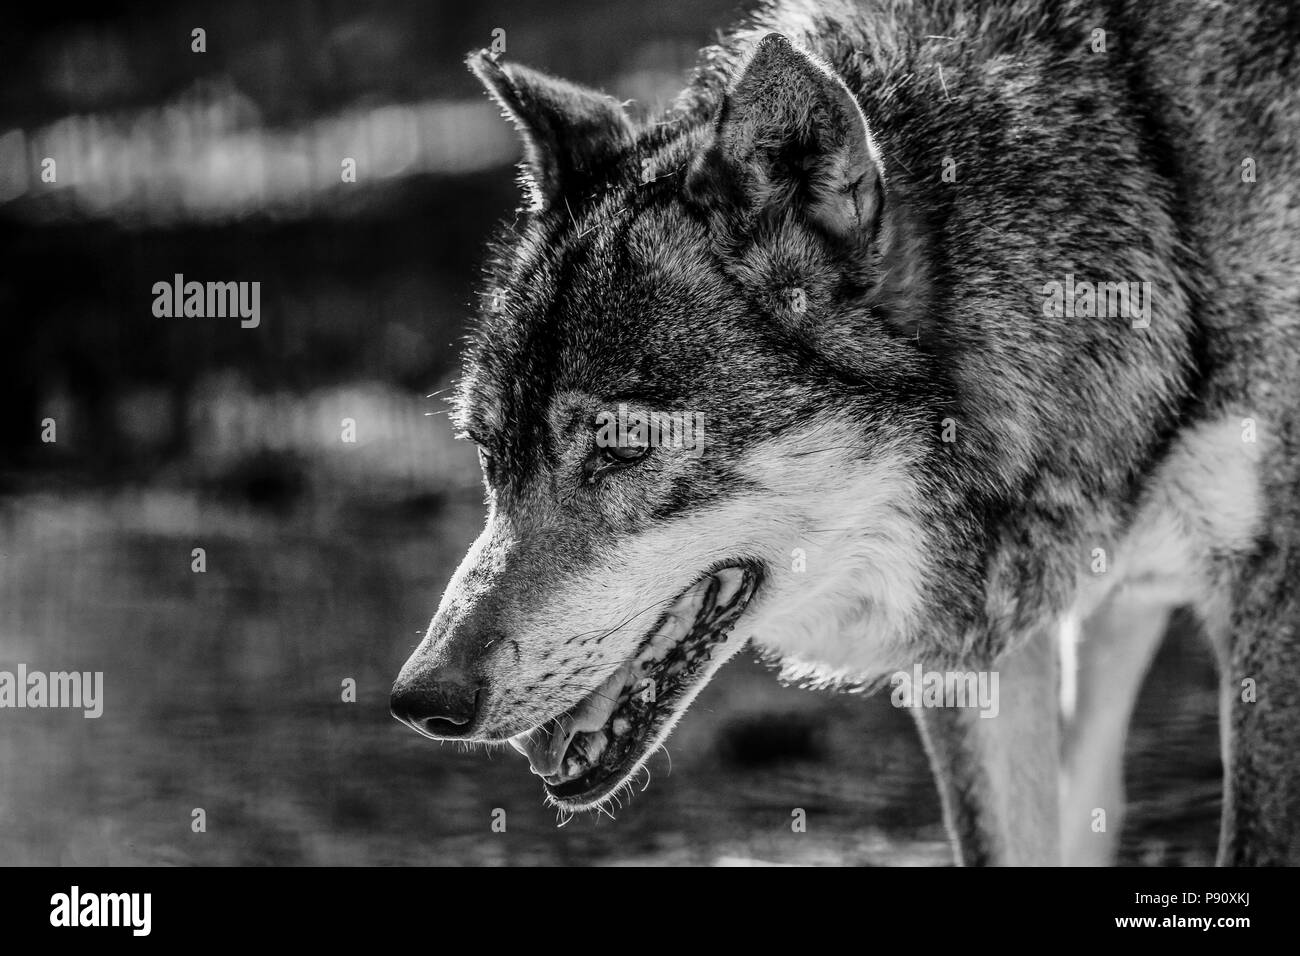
442	704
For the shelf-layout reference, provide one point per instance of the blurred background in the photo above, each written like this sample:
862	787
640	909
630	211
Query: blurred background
325	558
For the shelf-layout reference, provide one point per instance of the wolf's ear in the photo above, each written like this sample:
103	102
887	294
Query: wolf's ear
568	130
790	134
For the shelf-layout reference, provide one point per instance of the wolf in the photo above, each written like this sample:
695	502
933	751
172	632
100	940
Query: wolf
836	246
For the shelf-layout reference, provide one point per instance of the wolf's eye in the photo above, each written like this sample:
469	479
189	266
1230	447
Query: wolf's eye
612	457
624	454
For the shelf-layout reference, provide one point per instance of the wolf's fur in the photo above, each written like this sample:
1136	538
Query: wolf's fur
661	262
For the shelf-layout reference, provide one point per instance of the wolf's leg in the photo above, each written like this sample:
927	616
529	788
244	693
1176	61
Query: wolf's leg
1259	716
1117	644
998	776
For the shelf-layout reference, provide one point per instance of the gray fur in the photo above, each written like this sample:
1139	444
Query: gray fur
921	304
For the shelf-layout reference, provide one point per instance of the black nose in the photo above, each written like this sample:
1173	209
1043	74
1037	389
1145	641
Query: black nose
442	706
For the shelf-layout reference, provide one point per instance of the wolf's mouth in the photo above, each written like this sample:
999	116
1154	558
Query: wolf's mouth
589	751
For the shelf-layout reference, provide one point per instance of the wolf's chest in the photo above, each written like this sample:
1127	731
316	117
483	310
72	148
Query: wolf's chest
1203	504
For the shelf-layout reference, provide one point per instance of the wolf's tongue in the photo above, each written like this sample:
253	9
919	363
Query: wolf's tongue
545	746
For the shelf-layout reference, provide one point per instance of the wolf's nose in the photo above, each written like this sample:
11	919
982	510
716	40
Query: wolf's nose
442	708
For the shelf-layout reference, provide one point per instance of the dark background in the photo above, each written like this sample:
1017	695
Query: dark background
326	559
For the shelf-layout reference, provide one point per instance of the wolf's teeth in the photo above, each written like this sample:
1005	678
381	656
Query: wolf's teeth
730	581
663	642
596	709
666	638
591	746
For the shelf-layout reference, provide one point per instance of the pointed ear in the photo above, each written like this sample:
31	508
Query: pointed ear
790	135
569	131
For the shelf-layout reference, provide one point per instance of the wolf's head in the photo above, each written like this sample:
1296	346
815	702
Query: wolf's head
701	419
